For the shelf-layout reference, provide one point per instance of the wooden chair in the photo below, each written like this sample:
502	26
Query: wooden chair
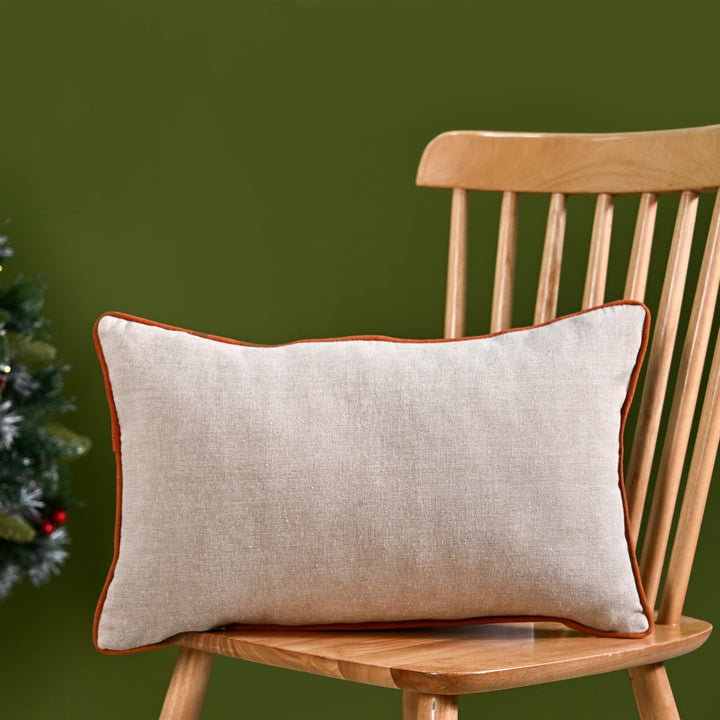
433	666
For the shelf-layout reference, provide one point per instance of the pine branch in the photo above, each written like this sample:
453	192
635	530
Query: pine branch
34	485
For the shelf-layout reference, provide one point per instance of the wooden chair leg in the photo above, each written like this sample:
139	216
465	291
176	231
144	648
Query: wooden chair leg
653	694
419	706
409	705
186	692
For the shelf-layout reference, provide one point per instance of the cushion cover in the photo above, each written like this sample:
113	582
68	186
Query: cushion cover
370	480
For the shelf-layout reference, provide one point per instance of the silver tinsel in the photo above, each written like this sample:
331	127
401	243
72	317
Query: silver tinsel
9	422
51	556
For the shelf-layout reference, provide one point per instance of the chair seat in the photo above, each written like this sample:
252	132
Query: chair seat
453	660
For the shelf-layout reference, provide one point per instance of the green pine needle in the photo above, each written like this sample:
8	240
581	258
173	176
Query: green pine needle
73	445
30	350
15	528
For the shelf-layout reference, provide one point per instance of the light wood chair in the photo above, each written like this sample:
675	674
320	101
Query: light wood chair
433	666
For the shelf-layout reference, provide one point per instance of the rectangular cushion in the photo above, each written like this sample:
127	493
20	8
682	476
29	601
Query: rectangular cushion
371	480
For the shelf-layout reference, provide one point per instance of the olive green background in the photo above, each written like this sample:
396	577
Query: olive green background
247	169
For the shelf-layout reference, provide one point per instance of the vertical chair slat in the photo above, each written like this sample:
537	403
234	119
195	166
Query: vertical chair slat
682	413
658	367
642	245
457	266
549	284
704	453
501	317
599	252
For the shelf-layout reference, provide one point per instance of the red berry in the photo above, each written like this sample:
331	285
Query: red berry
59	517
46	528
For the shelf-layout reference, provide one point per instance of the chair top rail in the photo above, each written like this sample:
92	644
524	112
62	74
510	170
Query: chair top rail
660	161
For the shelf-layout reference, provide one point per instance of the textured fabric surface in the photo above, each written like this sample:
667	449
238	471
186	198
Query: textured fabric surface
367	479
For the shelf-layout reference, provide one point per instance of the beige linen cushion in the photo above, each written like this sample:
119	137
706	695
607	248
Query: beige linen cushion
371	480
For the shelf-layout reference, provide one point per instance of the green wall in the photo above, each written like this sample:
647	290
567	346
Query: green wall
246	168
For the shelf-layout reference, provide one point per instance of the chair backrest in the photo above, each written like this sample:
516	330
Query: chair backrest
647	164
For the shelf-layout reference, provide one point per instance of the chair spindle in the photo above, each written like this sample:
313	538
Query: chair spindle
696	492
658	367
501	318
681	414
457	266
641	247
599	252
549	284
703	458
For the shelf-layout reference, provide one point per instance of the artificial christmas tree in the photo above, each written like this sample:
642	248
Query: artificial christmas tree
34	487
